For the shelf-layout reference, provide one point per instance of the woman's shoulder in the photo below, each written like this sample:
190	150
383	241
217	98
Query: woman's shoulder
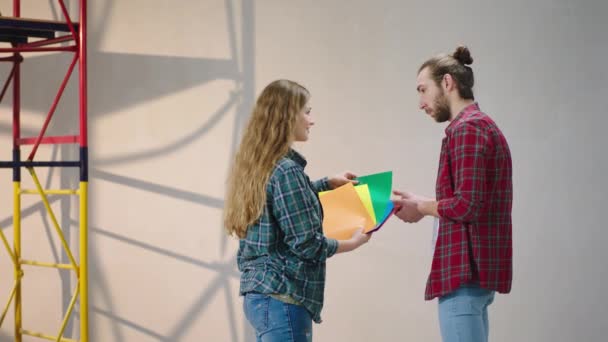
285	166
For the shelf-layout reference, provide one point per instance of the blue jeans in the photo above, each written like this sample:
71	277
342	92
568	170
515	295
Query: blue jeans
463	314
276	321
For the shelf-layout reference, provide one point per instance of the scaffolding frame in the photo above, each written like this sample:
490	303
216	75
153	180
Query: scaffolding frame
48	36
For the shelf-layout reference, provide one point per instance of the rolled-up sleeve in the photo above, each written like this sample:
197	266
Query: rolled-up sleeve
321	185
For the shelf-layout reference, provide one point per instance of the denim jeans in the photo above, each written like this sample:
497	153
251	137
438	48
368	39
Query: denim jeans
276	321
463	314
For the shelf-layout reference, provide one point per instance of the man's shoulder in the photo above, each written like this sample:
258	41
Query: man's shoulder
475	121
477	117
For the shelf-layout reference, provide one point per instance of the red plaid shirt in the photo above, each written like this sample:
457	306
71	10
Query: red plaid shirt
474	194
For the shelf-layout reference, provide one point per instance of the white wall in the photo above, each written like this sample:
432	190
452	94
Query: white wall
171	91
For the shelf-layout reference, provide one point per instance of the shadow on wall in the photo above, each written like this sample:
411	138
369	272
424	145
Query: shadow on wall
115	81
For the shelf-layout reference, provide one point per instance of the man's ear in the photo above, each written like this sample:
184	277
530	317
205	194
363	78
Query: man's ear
447	82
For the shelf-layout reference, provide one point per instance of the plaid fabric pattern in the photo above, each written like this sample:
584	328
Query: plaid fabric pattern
284	252
474	194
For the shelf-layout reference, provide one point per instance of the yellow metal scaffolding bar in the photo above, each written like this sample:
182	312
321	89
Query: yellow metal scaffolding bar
50	192
81	271
7	246
46	337
47	205
17	256
47	264
83	274
68	312
8	303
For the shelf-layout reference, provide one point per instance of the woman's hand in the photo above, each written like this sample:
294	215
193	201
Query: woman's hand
341	179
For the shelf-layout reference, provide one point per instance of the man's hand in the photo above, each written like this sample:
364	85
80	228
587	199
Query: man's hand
406	205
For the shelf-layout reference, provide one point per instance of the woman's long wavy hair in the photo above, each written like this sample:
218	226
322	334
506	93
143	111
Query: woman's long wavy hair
267	138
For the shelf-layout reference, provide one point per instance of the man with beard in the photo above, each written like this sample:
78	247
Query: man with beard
472	257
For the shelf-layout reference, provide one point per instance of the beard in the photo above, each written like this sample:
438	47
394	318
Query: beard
442	108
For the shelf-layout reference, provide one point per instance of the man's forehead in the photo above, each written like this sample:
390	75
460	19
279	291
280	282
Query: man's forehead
423	75
420	81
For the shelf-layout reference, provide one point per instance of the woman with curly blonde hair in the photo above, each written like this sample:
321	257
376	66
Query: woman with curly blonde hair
273	208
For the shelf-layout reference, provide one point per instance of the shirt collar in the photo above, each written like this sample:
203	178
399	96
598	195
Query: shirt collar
296	157
464	113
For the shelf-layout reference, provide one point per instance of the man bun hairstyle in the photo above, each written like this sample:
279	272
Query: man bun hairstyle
463	55
457	65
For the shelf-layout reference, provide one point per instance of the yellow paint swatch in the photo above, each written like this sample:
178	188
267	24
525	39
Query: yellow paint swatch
366	198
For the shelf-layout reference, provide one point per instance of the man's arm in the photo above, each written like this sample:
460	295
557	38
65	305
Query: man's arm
428	207
467	148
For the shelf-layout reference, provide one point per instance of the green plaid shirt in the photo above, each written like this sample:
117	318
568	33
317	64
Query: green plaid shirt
284	252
